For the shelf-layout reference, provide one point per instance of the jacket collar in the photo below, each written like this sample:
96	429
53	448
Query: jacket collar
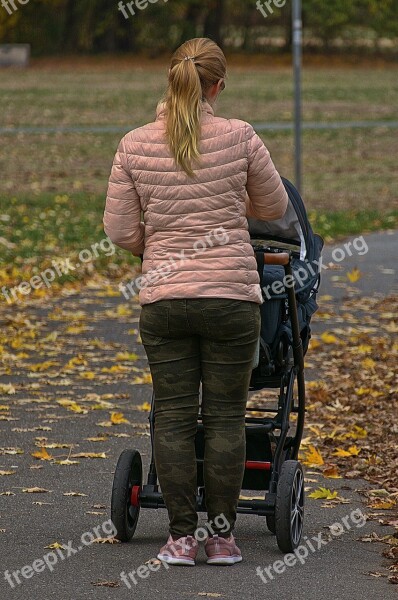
161	110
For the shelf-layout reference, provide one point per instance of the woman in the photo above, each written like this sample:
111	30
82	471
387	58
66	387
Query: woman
196	177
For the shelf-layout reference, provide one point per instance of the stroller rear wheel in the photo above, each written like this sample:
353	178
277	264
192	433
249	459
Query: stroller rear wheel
125	503
270	520
289	508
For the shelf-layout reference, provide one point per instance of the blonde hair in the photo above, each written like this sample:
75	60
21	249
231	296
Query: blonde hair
195	66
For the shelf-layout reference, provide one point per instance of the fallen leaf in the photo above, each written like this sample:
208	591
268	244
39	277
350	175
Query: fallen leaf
35	490
117	418
42	454
323	494
89	455
329	338
313	457
111	584
146	407
331	472
354	275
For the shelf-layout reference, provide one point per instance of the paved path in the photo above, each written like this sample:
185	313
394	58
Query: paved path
339	569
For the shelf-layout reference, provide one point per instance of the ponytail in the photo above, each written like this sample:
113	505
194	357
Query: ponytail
195	66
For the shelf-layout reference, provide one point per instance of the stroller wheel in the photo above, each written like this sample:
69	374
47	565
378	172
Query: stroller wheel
289	508
270	520
125	505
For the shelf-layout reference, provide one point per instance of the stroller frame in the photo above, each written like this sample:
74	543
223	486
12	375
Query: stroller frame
277	471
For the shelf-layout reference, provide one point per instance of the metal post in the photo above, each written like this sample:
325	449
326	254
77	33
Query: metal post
297	28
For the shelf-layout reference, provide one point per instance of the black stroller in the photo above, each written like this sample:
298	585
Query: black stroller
288	257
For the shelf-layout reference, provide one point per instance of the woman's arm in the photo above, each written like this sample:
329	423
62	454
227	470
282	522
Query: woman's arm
122	216
267	198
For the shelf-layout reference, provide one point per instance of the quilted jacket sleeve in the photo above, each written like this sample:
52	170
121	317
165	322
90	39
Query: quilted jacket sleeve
122	217
267	198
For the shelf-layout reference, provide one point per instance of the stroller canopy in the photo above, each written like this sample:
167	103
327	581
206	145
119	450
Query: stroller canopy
293	228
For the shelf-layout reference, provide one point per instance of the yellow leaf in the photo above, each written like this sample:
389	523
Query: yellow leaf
124	310
66	462
329	338
368	363
363	349
87	375
7	388
76	329
42	454
352	451
354	275
76	361
89	455
146	407
127	356
73	494
323	494
7	472
54	546
73	406
44	366
382	504
146	378
4	407
314	343
359	432
331	472
35	490
116	369
97	439
313	457
362	391
340	452
117	418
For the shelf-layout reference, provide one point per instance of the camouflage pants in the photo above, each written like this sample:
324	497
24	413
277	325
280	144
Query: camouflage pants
213	341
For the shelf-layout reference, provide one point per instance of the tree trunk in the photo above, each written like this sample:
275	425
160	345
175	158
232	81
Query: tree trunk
214	20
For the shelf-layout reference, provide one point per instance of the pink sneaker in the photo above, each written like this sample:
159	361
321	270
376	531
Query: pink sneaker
222	551
179	552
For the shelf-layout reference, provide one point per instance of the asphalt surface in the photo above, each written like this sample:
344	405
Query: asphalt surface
339	569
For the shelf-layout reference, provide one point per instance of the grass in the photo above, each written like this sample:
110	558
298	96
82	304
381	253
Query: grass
53	186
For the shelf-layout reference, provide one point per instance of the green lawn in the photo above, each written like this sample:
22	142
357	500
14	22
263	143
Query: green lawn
53	186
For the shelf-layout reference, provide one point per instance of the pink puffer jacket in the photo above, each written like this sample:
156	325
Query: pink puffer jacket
194	236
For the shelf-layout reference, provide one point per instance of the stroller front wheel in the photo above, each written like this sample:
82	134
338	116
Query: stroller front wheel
289	508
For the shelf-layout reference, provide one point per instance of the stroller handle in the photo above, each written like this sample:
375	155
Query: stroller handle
280	258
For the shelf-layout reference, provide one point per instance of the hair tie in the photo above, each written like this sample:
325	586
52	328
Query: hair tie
189	58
